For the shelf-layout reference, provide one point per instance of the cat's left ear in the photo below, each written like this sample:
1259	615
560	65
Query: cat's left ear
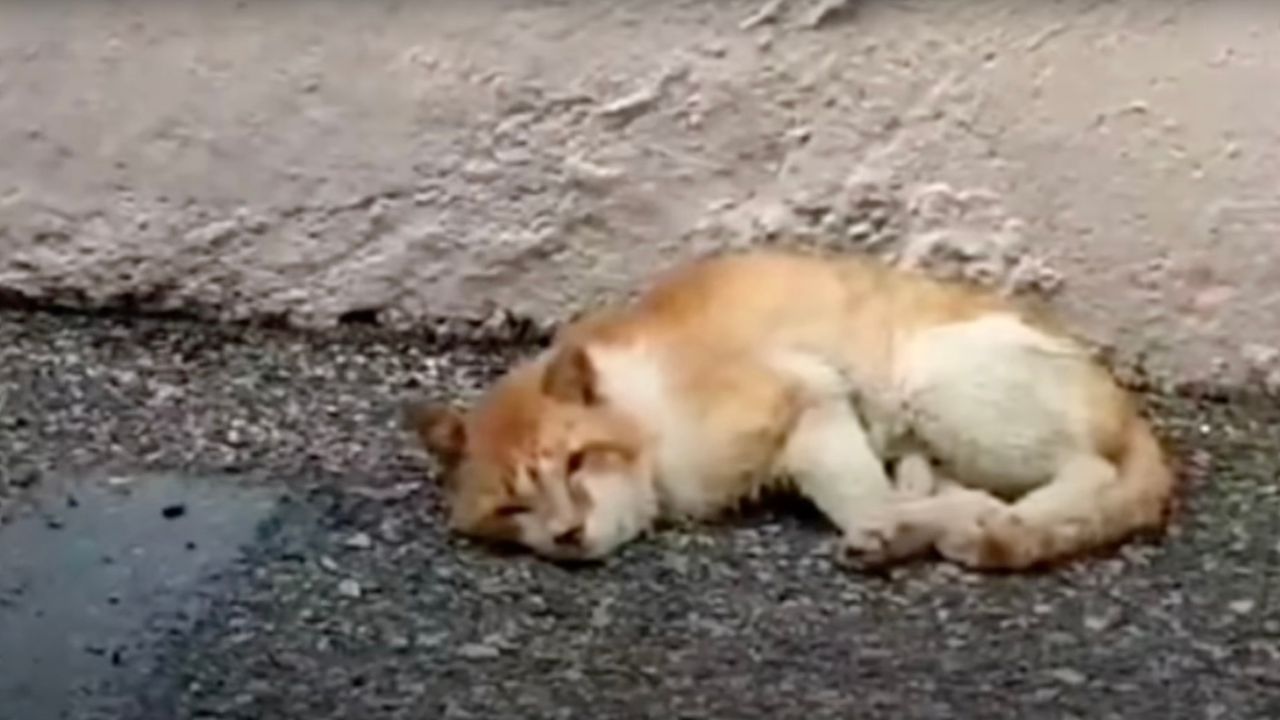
440	428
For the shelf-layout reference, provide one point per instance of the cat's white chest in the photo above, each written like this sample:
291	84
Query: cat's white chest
635	381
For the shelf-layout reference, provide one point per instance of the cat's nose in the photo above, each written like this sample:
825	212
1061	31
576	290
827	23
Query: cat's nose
569	537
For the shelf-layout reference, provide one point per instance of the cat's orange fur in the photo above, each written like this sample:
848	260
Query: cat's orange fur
748	371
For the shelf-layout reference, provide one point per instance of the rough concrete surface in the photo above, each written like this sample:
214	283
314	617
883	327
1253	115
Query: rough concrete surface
351	601
395	161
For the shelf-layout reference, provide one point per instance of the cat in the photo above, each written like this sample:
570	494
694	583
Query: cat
917	415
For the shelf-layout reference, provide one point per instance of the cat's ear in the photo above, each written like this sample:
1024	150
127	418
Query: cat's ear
440	428
570	376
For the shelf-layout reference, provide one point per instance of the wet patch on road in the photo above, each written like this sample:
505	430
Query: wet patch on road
93	569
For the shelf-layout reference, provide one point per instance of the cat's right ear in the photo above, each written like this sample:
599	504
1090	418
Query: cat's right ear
440	428
570	376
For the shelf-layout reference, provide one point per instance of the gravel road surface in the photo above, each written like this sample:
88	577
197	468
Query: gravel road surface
349	601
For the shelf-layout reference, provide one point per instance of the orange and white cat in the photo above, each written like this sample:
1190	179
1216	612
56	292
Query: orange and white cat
748	372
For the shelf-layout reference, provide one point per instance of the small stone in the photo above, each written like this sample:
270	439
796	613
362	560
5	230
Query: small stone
328	563
25	478
774	219
478	651
350	588
394	493
359	541
1263	364
600	615
1046	695
1137	107
591	175
481	170
629	107
391	531
174	511
430	640
826	11
1242	607
1061	638
766	13
715	48
1068	676
799	135
1096	623
1260	356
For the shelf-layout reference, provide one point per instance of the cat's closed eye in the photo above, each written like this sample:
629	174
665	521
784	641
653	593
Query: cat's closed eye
575	462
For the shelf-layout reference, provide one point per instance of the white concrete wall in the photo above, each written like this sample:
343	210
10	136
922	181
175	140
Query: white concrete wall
309	159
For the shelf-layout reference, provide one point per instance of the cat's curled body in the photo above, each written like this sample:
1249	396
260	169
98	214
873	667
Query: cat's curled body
744	372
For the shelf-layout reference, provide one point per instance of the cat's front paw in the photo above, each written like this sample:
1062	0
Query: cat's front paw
864	548
875	544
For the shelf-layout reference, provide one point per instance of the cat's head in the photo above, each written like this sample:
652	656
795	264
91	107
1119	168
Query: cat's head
542	461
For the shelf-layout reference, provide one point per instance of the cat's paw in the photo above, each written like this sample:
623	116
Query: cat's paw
995	540
876	544
864	548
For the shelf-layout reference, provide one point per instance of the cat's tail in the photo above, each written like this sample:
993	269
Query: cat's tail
1092	503
1143	499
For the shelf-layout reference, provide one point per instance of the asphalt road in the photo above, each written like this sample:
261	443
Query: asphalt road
349	601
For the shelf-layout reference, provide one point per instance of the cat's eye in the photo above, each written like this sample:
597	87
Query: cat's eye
507	511
575	462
